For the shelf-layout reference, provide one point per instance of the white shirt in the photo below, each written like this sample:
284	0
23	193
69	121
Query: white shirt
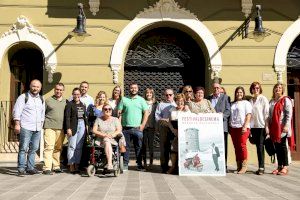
260	112
239	110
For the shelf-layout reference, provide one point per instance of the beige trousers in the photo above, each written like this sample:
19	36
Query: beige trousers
53	142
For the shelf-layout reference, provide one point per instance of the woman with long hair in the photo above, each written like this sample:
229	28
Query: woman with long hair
150	127
116	97
200	104
280	127
259	116
188	93
75	127
240	128
95	111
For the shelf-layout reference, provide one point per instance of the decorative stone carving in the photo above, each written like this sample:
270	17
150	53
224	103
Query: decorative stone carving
164	11
165	7
23	25
215	69
115	69
247	7
94	6
23	31
279	71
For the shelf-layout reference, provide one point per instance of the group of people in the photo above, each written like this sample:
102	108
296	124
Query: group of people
121	119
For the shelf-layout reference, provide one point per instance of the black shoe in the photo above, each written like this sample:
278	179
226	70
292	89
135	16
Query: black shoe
140	168
21	173
260	171
33	172
47	172
58	171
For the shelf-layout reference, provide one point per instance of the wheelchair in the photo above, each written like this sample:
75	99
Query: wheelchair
98	161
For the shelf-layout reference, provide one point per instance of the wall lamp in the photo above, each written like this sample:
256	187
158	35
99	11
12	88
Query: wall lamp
258	34
79	31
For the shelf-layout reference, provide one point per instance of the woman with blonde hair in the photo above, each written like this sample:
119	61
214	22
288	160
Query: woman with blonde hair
150	127
280	127
188	93
173	125
94	111
116	97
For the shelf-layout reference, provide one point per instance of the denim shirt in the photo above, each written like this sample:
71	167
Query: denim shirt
32	114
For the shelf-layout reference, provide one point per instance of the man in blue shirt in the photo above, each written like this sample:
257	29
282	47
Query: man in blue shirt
28	115
162	115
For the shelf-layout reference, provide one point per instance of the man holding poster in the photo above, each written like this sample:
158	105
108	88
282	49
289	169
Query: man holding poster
201	144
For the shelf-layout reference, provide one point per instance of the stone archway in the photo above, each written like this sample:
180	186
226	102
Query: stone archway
164	11
23	31
282	49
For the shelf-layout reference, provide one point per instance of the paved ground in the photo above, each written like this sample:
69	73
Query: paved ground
150	185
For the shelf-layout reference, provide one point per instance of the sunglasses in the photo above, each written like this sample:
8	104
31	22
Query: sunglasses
107	109
188	91
169	94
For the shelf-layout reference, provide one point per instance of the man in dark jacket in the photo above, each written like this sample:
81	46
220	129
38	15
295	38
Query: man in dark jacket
221	103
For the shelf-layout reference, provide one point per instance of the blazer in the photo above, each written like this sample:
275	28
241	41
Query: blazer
71	117
223	106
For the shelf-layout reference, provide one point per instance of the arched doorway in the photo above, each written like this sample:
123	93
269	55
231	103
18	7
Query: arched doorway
293	80
26	63
164	57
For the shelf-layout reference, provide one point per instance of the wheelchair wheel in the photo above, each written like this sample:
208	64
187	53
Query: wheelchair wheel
117	172
121	164
91	170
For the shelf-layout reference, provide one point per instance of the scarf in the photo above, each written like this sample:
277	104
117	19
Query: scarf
276	127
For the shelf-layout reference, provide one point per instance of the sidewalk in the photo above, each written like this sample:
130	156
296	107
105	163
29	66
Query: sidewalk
134	185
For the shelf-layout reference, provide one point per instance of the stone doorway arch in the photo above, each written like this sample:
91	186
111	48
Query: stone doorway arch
164	11
23	31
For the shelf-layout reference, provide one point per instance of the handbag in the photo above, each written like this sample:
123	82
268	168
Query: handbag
270	148
251	138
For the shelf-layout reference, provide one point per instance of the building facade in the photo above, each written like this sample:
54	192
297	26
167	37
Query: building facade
157	43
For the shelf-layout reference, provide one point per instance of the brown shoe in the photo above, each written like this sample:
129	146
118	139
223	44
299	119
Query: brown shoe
243	170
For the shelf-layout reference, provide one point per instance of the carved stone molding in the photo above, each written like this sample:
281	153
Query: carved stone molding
215	71
279	71
165	7
23	25
246	7
94	6
23	31
115	69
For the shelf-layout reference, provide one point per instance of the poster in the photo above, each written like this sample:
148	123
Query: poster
201	145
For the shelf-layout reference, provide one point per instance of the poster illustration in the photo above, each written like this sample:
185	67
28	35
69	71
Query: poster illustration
201	145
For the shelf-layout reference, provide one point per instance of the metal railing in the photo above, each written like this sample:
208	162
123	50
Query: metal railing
8	139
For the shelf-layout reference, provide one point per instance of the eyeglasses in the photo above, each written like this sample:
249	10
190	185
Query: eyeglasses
107	109
169	94
188	91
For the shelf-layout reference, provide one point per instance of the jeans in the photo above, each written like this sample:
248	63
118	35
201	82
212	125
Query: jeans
29	140
259	138
137	136
76	143
281	152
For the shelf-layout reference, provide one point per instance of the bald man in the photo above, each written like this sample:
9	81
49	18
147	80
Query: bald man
28	116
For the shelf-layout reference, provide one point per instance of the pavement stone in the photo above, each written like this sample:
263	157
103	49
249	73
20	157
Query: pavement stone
152	185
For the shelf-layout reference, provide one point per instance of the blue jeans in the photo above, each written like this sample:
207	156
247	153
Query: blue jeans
29	140
137	136
76	143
